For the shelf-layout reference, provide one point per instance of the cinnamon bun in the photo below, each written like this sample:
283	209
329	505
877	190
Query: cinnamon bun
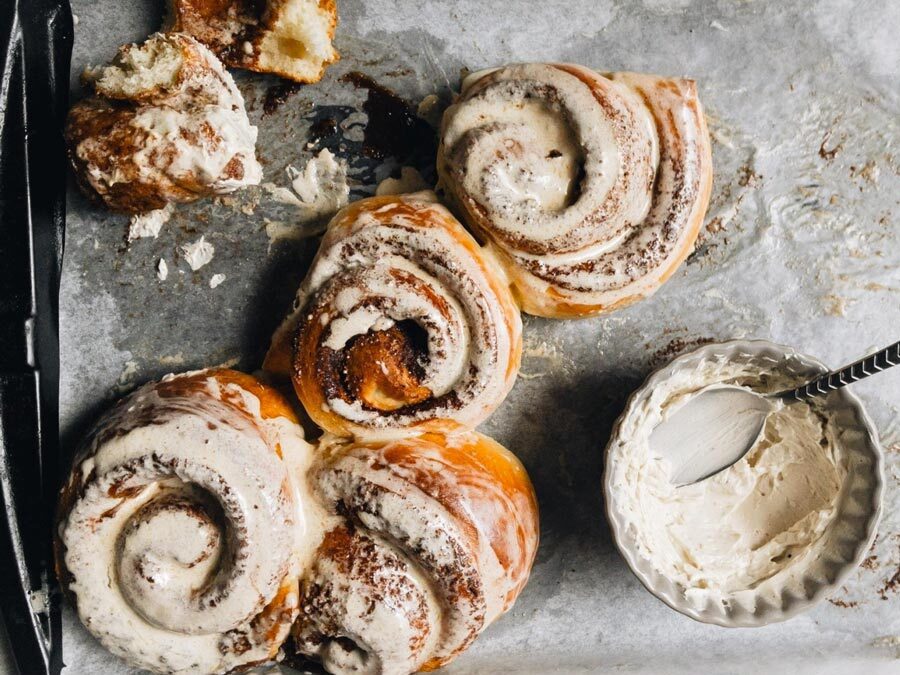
439	538
165	123
291	38
590	188
198	532
402	324
183	522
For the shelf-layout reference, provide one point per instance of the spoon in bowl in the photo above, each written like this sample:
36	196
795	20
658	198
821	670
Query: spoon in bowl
717	426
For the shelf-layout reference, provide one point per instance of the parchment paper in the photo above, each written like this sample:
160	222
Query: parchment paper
800	246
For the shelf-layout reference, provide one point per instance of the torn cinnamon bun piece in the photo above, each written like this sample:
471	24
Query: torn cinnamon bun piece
401	325
291	38
183	522
165	123
590	188
439	537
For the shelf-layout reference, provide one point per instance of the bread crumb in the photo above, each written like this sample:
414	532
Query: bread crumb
162	270
149	224
216	279
198	253
429	109
835	305
410	181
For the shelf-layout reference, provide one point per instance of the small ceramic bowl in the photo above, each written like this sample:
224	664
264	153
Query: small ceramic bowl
844	542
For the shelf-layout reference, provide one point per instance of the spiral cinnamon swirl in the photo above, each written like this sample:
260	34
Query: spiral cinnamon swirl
591	188
183	524
439	539
401	323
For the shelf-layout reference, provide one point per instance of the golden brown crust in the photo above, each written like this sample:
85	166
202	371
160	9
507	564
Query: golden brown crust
272	403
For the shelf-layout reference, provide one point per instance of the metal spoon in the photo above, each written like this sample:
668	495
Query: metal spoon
720	424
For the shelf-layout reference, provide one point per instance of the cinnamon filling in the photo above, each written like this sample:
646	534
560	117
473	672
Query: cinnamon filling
383	368
222	24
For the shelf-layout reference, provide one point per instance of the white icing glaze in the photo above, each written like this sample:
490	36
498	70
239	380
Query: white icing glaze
508	114
189	510
367	612
205	159
430	530
317	191
746	525
323	182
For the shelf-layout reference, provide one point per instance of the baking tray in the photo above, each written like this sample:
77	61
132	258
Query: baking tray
800	246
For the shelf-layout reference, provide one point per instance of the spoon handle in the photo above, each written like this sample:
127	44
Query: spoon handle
873	363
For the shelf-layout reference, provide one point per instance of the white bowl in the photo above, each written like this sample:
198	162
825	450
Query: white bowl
845	540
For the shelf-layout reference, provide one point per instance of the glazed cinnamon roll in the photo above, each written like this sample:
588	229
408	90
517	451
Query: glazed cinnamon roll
183	524
590	188
439	539
402	324
197	532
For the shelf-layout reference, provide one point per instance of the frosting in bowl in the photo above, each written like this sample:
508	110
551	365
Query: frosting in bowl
745	525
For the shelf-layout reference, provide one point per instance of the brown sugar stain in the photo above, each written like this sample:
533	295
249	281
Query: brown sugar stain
277	95
322	128
393	128
870	563
891	585
675	347
830	153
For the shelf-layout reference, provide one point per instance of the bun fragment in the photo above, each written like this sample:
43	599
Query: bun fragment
291	38
166	124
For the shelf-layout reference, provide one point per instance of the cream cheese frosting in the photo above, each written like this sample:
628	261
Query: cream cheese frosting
747	524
